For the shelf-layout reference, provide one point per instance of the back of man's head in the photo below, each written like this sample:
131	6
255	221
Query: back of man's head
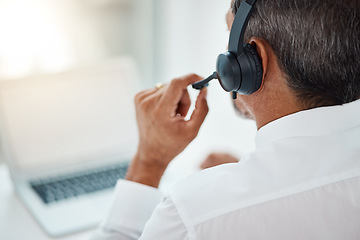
317	45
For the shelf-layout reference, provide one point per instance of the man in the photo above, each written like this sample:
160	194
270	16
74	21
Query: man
303	179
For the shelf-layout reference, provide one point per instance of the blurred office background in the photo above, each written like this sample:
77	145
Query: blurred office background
39	36
166	38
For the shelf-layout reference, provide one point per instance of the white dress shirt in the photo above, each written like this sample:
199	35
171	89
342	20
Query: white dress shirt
301	182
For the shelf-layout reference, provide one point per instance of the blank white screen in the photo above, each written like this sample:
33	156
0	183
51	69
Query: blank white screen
80	115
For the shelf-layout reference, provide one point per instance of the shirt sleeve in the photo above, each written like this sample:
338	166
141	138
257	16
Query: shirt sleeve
132	207
165	223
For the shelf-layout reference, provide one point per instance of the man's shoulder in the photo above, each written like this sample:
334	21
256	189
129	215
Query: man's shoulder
214	191
222	178
259	177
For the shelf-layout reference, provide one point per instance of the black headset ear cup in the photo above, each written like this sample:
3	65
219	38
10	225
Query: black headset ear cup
254	57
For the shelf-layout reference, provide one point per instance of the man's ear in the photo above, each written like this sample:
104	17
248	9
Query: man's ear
261	47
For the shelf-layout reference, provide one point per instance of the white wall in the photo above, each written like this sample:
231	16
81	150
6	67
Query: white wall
191	35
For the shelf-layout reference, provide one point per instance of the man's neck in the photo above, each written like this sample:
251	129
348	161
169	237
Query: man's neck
275	107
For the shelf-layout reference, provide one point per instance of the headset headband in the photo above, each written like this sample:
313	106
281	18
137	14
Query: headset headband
237	32
239	70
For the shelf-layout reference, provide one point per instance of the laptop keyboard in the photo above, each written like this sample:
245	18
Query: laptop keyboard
72	185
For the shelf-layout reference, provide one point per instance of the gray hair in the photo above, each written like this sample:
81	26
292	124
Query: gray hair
317	43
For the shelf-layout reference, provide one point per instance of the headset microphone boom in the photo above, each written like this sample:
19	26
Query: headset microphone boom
239	70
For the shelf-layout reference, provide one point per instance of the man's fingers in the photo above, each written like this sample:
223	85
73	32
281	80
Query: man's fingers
174	97
200	112
175	90
184	104
183	82
150	101
143	94
215	159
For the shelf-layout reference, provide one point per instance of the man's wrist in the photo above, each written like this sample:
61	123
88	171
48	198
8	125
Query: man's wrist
145	171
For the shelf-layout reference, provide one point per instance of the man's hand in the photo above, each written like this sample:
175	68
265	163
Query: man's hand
163	131
216	159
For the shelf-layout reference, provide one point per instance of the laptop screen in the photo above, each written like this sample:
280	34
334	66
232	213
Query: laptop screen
79	115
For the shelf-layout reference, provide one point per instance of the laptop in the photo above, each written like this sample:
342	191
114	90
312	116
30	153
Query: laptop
67	138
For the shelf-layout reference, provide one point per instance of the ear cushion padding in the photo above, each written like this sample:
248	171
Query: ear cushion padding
254	56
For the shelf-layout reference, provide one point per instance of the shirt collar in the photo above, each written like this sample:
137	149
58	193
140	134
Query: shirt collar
313	122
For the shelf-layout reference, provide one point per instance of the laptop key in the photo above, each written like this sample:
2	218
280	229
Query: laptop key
72	185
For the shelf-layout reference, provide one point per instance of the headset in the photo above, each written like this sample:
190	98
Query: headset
239	70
